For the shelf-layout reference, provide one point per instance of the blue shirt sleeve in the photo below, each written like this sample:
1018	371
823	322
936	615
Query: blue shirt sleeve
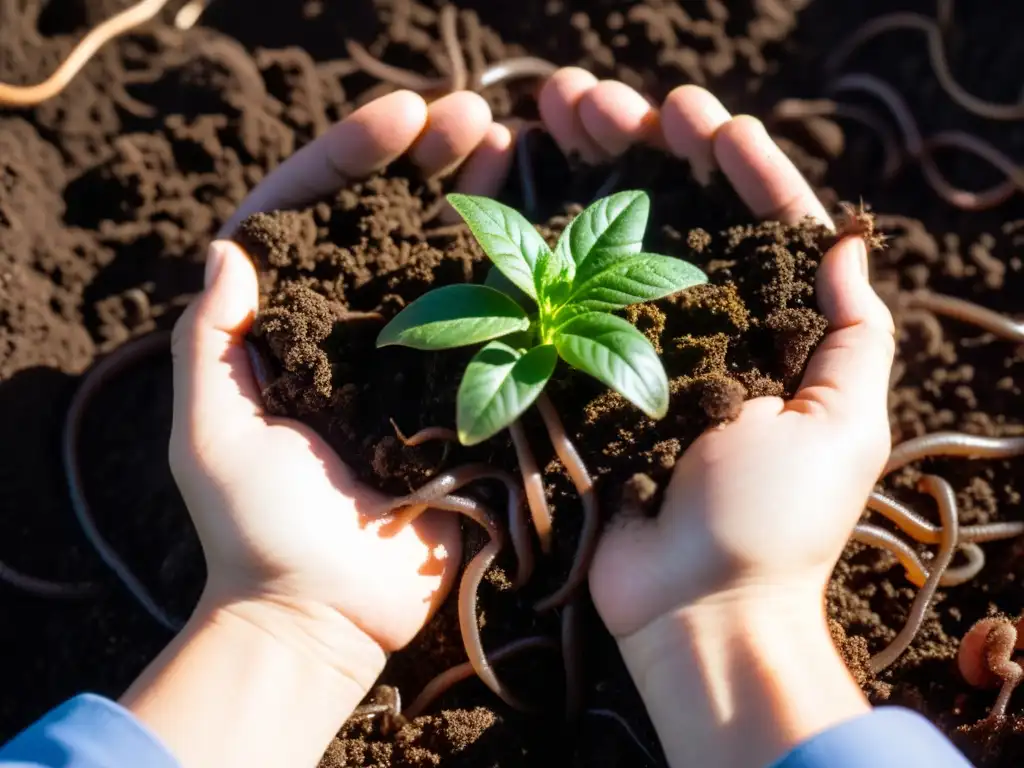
887	737
87	731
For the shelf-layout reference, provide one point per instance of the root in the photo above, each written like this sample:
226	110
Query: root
946	500
920	149
113	365
968	312
444	681
937	55
30	95
577	470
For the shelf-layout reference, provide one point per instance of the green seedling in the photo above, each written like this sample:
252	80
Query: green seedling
539	304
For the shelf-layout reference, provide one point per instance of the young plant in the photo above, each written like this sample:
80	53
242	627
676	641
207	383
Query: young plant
540	304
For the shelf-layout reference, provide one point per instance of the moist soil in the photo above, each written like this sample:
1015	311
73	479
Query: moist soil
109	192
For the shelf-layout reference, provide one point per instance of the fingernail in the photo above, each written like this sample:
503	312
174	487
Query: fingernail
216	255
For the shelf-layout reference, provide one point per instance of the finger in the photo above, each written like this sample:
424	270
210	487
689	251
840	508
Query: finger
764	177
368	139
213	381
559	102
485	171
848	375
690	118
456	124
616	117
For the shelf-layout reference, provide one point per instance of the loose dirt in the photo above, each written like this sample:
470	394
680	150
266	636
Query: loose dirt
109	192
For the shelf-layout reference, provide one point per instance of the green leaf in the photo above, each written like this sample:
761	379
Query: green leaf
499	385
617	354
511	242
609	229
454	316
645	277
496	279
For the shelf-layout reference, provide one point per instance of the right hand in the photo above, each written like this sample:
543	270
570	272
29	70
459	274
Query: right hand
717	603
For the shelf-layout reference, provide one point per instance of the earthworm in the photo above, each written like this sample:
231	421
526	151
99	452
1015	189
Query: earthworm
968	312
946	500
30	95
190	12
534	484
449	436
936	53
916	571
797	109
910	522
502	71
448	21
111	366
613	715
453	480
403	78
444	681
918	148
516	68
952	444
580	477
472	577
999	645
44	587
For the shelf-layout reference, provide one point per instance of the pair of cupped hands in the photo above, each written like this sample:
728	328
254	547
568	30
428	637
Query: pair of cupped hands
757	510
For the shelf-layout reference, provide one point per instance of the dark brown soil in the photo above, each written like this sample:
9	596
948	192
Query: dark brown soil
109	192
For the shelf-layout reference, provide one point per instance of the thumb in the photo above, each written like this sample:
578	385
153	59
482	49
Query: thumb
214	388
848	375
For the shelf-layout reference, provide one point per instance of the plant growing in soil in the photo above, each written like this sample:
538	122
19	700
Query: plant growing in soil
541	304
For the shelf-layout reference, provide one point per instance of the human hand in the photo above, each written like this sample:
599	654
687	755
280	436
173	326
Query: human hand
283	523
717	603
763	505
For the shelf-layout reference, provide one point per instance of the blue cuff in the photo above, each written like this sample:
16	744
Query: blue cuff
87	731
887	737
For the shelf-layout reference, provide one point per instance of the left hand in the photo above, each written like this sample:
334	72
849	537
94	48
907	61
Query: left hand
282	521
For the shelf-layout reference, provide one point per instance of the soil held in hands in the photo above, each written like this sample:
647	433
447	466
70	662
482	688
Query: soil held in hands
328	269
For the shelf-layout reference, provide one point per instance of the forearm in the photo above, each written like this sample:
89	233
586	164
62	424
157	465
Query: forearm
242	685
741	683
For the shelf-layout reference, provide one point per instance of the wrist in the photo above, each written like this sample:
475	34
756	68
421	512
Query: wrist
312	632
289	675
749	674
